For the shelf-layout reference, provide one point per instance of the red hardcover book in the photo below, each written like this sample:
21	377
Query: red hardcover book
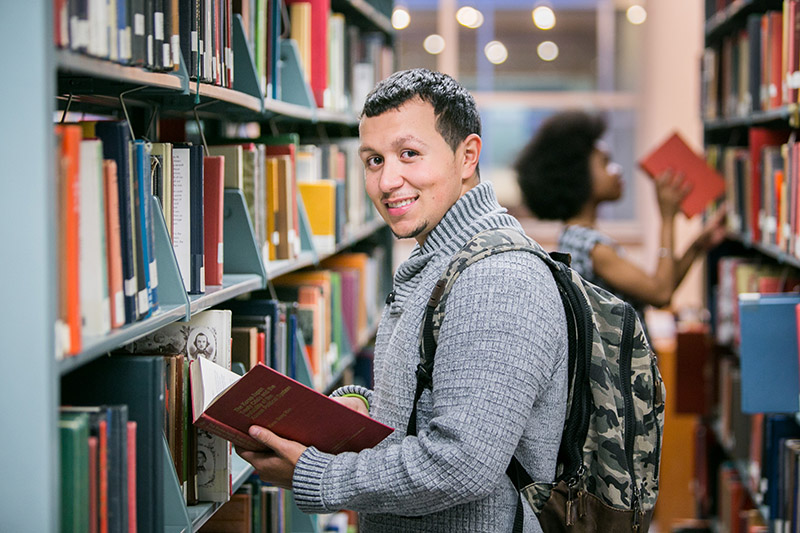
758	139
114	246
93	481
131	435
775	65
262	347
69	214
102	498
267	398
320	12
213	200
707	184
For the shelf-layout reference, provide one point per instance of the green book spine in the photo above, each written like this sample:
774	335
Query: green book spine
74	435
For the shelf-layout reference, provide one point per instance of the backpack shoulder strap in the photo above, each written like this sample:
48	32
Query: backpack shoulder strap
484	244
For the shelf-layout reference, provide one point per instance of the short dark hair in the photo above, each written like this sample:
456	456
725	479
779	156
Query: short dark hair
553	169
454	107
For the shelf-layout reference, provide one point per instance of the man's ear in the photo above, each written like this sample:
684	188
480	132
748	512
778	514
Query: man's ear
471	147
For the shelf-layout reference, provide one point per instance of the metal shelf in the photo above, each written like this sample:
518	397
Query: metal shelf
69	62
232	285
94	347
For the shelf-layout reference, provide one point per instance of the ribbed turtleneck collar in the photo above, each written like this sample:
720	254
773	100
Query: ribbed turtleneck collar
478	209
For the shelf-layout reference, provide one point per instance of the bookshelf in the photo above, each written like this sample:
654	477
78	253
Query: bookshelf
46	81
751	115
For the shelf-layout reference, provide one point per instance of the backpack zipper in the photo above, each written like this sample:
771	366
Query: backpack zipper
625	356
657	399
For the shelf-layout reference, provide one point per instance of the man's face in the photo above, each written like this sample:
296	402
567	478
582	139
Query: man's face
412	175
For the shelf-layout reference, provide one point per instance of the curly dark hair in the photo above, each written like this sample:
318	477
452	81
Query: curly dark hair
456	113
553	169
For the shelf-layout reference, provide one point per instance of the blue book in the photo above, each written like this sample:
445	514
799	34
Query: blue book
123	32
198	273
116	138
768	353
141	165
777	428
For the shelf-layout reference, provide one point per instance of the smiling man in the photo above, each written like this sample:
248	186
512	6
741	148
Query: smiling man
500	379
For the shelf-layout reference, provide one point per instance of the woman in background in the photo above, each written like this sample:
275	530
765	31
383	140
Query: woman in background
565	172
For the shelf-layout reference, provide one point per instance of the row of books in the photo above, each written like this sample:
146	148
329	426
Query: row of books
153	34
275	172
331	309
127	472
106	248
761	186
755	68
107	252
257	507
753	487
98	462
737	275
323	314
340	62
254	508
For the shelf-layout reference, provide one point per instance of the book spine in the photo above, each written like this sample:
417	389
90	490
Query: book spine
197	217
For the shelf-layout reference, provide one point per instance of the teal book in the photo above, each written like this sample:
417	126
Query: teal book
768	353
73	431
137	381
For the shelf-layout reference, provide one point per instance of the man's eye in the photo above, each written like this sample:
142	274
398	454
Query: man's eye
374	160
408	153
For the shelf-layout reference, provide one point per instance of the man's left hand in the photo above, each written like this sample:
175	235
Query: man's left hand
276	464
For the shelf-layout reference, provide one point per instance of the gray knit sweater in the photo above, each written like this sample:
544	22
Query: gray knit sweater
499	388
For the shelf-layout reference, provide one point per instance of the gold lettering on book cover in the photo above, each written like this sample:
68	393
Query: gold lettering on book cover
259	401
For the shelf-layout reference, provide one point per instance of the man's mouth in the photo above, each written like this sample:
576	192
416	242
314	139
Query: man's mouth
401	203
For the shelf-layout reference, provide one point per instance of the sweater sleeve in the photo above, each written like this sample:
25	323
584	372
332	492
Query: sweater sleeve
353	389
502	337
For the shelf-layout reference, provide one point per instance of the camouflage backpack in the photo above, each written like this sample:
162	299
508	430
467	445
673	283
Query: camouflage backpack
608	460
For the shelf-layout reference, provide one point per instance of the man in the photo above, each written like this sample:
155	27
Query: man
499	383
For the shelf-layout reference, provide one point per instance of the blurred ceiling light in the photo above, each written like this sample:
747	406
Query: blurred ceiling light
544	18
434	44
547	50
495	52
400	18
636	14
469	17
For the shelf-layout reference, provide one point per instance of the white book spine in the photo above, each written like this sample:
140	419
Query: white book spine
181	213
95	309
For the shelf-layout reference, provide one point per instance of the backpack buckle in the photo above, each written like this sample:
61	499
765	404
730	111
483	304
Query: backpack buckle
424	376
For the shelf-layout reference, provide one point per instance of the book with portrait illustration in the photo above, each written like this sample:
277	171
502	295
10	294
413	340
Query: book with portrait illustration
226	404
674	154
206	336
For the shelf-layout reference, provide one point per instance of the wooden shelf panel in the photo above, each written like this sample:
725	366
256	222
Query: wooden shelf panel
215	94
278	109
69	62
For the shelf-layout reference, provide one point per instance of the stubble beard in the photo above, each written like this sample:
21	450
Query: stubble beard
411	234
